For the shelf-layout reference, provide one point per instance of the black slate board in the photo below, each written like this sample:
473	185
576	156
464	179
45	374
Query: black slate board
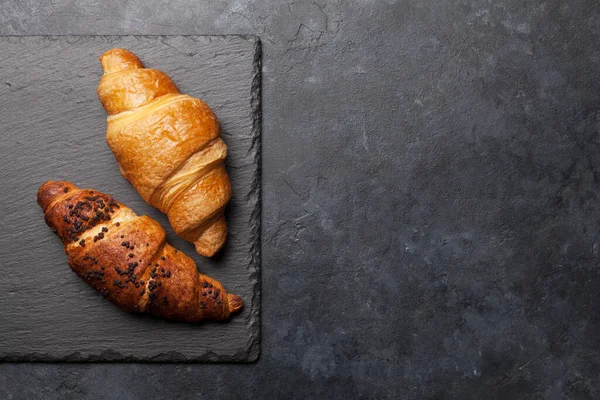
53	127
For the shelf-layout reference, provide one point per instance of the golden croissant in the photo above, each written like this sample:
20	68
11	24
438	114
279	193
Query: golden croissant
169	146
126	258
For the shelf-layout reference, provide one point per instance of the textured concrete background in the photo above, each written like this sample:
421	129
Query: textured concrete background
430	199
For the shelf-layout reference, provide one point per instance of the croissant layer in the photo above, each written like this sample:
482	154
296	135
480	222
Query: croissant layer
126	258
169	146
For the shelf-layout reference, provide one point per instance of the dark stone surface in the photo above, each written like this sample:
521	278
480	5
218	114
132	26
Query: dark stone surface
55	130
430	199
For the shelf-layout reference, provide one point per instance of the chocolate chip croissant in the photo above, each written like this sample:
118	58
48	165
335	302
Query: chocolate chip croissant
169	146
126	258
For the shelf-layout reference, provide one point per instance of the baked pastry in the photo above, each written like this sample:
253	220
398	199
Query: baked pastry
126	258
169	146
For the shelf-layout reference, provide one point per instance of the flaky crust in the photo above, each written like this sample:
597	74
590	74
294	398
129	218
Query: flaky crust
126	258
168	146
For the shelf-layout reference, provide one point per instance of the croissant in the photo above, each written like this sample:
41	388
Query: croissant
126	258
169	146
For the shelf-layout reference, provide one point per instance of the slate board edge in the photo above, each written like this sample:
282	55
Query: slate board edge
254	317
252	351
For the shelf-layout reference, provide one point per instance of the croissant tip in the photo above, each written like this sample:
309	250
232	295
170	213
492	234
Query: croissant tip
117	59
235	302
211	240
205	249
51	190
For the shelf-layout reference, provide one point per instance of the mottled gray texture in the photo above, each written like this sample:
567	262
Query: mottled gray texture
54	129
430	199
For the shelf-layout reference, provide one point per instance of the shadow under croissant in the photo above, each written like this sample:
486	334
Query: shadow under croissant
221	254
147	316
157	319
230	211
